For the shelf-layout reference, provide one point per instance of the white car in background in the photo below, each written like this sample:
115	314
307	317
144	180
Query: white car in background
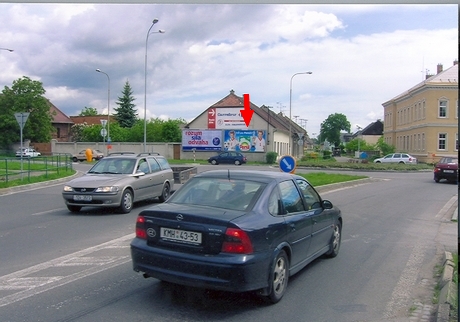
397	158
27	153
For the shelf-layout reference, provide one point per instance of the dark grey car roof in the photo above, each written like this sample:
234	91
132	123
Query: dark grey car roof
258	175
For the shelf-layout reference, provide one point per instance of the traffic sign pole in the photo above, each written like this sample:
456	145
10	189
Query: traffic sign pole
21	118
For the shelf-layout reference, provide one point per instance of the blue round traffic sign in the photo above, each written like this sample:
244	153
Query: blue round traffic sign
287	164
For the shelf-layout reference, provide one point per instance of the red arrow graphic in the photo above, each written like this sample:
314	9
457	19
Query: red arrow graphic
247	112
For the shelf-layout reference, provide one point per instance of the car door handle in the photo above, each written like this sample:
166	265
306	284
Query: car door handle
292	227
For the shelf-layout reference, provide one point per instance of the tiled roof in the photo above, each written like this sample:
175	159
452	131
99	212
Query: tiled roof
446	77
58	115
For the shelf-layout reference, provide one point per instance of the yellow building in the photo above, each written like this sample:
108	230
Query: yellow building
423	121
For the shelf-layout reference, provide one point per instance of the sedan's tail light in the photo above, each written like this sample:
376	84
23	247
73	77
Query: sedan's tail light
140	228
236	241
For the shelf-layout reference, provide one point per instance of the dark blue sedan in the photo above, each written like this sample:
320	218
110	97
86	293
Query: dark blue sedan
236	231
229	157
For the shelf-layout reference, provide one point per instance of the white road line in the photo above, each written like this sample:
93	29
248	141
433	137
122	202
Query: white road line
27	286
48	211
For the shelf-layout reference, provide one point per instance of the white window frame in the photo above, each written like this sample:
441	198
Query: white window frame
443	107
442	139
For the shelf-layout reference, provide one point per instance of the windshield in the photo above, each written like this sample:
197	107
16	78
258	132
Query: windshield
113	166
221	193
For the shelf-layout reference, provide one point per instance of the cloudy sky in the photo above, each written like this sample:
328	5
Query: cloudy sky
360	55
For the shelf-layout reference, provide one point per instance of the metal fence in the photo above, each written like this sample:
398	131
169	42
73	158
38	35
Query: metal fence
23	169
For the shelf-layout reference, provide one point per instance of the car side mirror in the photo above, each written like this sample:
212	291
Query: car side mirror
326	204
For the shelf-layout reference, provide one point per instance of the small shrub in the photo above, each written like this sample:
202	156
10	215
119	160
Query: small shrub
271	157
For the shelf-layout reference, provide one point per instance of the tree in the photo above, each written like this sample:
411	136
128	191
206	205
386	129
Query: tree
384	147
126	114
25	95
88	111
331	127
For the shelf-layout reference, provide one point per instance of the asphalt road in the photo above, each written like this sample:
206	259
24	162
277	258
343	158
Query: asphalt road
58	266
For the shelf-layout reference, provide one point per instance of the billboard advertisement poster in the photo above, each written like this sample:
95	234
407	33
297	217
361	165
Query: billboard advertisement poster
201	140
225	118
245	140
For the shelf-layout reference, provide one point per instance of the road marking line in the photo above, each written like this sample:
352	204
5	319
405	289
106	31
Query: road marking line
28	286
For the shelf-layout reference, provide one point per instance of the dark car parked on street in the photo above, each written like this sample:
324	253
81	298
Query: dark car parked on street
237	231
229	157
446	168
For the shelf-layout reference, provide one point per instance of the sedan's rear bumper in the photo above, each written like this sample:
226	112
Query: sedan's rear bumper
226	272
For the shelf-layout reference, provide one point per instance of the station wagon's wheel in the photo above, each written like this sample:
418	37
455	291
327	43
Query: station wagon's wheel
126	201
237	162
213	162
73	208
165	193
436	180
74	159
336	240
401	162
279	277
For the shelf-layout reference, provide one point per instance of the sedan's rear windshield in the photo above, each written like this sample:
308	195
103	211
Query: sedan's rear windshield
221	193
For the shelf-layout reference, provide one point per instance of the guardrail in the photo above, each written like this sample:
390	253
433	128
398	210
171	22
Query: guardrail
15	168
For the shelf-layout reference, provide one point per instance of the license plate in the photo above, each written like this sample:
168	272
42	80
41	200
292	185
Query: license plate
82	198
449	171
183	236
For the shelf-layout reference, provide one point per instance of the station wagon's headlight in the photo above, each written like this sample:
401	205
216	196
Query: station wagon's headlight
68	189
107	189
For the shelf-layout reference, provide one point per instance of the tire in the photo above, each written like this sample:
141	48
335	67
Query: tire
74	159
74	208
336	240
437	180
165	193
401	162
213	162
126	202
378	162
237	162
279	277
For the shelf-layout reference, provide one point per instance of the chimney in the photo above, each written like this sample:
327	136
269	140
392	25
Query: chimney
439	68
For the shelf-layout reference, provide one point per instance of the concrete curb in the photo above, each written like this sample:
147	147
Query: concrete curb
449	289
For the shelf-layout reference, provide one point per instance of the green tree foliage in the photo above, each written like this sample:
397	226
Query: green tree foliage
363	145
385	148
331	127
76	132
88	111
157	131
126	113
25	95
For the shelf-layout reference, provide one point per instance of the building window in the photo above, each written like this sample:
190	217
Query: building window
456	113
456	141
442	138
423	142
442	109
424	110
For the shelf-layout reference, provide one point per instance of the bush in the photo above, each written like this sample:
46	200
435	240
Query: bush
327	154
271	157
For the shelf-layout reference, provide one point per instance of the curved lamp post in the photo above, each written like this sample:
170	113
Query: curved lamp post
10	50
145	79
290	111
108	107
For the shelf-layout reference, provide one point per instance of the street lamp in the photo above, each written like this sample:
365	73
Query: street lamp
108	108
290	110
145	80
359	129
10	50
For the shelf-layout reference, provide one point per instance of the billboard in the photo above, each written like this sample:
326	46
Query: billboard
201	140
245	140
225	118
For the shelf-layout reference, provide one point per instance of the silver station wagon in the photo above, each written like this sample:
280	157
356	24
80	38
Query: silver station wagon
119	180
